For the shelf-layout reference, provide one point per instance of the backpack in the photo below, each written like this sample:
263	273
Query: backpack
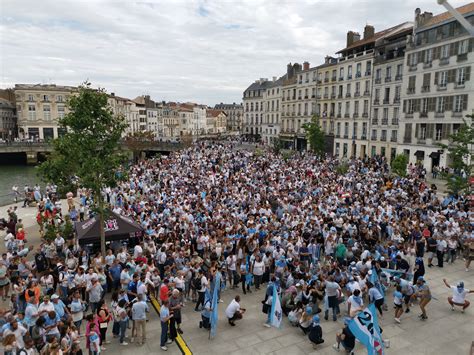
40	262
197	283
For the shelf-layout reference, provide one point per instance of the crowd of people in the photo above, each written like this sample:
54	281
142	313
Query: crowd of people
321	236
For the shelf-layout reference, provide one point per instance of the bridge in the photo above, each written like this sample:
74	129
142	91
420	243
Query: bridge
33	149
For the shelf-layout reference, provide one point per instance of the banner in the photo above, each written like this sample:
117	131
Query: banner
365	327
374	278
215	304
276	311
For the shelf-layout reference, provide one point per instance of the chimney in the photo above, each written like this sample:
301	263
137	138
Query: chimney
112	94
422	18
369	31
289	71
274	78
352	37
306	66
297	67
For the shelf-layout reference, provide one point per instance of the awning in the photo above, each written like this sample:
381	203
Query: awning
117	227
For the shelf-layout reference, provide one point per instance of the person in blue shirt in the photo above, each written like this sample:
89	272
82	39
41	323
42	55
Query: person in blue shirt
375	296
165	316
398	302
60	308
206	313
115	271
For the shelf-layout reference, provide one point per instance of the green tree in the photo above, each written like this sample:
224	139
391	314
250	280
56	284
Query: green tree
461	155
315	135
89	152
399	165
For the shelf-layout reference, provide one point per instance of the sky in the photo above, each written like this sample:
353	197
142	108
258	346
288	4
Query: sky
205	51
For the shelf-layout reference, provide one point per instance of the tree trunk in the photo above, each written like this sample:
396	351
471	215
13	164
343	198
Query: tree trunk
101	223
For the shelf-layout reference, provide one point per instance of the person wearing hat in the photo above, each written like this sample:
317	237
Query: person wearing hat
59	307
422	291
345	338
315	333
459	295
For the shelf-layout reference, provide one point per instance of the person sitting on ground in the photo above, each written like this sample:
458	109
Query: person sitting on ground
315	333
459	295
345	338
233	311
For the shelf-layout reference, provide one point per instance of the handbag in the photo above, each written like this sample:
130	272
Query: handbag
265	307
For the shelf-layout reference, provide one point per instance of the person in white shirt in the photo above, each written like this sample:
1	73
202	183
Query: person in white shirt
258	268
233	311
459	295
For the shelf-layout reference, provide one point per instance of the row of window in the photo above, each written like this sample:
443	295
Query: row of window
347	109
359	72
441	79
441	52
338	91
455	103
441	33
46	98
46	112
388	73
250	107
423	131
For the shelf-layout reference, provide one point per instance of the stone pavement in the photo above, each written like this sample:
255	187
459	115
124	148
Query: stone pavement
445	331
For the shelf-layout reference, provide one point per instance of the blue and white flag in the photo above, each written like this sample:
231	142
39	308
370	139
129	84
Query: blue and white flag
374	279
276	311
215	304
365	327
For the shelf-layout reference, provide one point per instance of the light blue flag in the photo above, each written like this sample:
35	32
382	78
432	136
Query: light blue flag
374	279
276	311
365	327
215	304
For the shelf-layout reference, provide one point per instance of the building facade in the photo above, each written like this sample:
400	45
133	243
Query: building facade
272	111
386	94
39	107
7	119
234	113
437	90
253	103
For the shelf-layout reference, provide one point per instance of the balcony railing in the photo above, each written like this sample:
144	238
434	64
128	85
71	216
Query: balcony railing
388	79
346	136
444	61
393	139
376	102
365	115
406	139
373	138
363	137
412	67
358	75
299	97
386	101
461	57
383	138
425	89
333	96
357	94
326	80
355	115
384	121
395	121
398	77
313	96
366	93
339	96
319	81
410	91
346	115
396	100
349	77
318	97
339	115
334	78
375	121
348	94
427	65
367	73
378	80
326	96
341	78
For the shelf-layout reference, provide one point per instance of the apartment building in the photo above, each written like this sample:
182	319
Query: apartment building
38	109
272	111
289	106
437	90
234	113
216	122
326	100
253	102
386	94
126	108
306	103
7	119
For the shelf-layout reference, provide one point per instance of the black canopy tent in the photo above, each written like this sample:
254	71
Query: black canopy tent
117	228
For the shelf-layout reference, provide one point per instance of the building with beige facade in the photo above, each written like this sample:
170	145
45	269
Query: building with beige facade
7	120
272	98
39	107
437	89
234	114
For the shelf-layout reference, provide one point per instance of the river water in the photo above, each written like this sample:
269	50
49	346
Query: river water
19	175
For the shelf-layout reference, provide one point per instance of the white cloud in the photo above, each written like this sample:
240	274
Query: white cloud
203	51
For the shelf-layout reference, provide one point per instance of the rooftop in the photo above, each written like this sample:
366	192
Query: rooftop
44	87
463	10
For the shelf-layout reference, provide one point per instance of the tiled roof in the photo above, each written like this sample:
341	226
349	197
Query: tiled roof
447	15
372	39
214	113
